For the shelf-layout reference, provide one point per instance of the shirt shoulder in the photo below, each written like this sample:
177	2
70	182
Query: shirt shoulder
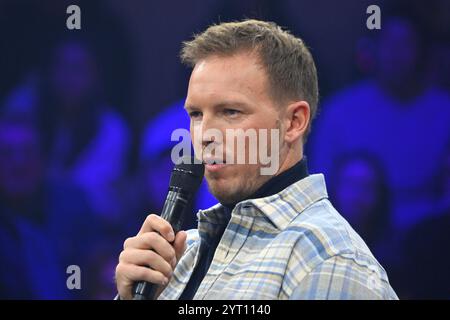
328	231
329	257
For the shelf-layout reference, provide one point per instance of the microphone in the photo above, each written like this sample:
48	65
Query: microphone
184	182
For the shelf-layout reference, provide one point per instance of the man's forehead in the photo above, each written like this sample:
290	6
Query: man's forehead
227	78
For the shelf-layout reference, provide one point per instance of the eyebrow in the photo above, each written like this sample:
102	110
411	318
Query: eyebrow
220	105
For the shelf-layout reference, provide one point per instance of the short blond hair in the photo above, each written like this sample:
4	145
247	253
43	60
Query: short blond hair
288	62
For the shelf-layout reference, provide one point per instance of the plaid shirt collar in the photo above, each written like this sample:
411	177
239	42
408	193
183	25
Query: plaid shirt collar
293	200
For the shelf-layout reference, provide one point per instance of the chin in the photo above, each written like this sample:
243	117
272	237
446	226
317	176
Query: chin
221	190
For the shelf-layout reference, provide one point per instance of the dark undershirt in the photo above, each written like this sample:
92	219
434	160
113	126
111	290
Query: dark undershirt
271	187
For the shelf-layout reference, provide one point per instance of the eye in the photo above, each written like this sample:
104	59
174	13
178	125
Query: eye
195	114
231	112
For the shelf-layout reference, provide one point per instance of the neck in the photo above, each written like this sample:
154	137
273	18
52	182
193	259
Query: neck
293	156
277	183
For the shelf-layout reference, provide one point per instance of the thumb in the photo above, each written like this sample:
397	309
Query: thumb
179	244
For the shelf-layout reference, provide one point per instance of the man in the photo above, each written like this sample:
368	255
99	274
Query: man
270	237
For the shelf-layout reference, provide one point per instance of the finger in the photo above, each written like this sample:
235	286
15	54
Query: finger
129	274
146	258
152	241
154	222
180	244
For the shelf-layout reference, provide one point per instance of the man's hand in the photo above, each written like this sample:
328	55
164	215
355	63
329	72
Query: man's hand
155	246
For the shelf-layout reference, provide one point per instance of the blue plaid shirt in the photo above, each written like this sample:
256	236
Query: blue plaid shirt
290	245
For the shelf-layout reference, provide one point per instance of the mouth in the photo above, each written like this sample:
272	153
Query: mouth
213	164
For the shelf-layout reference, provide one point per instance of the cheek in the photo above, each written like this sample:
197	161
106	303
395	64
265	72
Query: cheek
196	139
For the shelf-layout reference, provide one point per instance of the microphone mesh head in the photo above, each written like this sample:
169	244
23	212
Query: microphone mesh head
187	175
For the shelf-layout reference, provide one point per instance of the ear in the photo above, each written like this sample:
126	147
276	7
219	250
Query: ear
296	117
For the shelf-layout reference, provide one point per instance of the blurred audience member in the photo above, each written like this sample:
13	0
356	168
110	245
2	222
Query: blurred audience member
360	192
44	227
87	141
397	116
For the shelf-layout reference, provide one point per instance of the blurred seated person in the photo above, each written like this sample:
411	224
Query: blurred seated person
86	139
45	226
397	116
360	192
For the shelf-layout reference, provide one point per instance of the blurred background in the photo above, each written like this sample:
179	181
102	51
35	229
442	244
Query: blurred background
86	117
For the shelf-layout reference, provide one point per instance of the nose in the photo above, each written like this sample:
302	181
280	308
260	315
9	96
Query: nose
207	140
209	129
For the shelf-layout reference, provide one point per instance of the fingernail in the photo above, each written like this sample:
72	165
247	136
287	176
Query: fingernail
171	235
165	281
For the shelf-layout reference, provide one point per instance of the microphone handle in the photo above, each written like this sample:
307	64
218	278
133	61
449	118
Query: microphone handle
172	212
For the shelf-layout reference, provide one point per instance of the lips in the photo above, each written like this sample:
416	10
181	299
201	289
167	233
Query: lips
211	160
213	164
214	167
